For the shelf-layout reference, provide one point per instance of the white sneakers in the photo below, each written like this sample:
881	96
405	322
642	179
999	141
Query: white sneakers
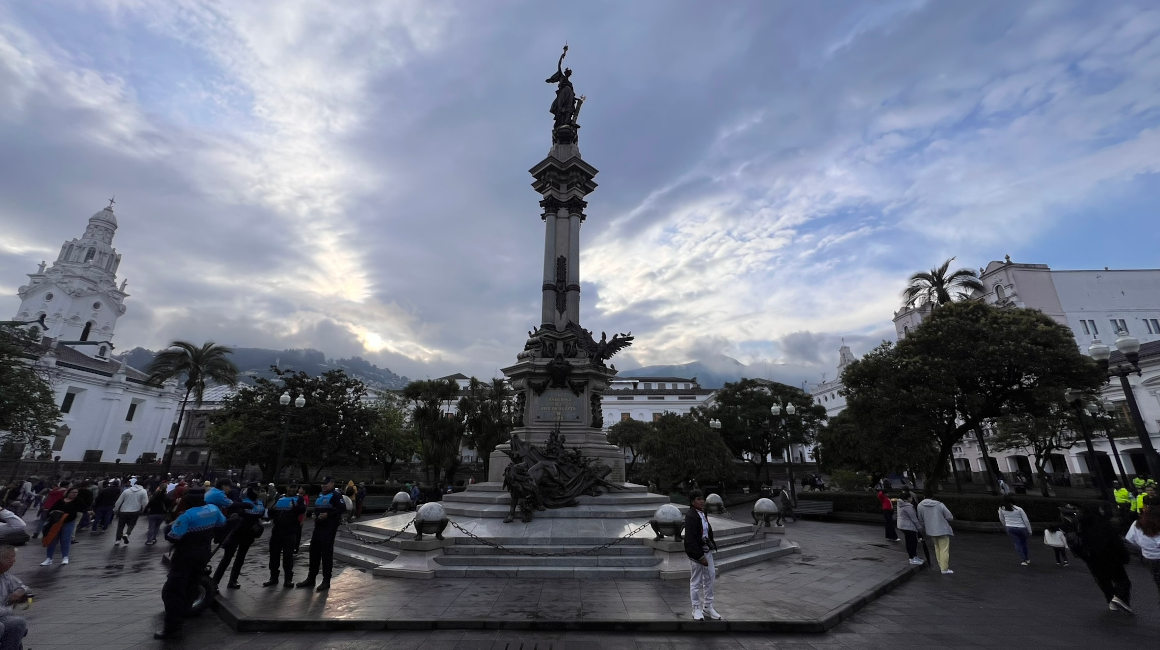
698	615
1025	563
947	572
64	560
713	613
47	562
1119	604
916	561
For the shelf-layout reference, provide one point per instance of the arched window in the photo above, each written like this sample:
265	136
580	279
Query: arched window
193	457
1000	294
90	254
87	330
102	352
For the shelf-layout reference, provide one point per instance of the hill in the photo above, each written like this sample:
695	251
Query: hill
256	362
715	372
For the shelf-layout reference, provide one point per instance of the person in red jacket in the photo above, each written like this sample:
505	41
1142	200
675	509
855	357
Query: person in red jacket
888	515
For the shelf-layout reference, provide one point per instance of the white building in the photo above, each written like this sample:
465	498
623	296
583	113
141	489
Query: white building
829	393
647	398
109	412
1094	304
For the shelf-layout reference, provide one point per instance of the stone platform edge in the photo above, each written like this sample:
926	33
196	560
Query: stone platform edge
234	617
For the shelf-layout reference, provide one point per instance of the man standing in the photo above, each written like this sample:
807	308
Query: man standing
191	534
284	537
128	508
328	509
936	524
699	546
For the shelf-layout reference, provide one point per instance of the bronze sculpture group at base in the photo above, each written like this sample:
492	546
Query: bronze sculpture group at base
551	477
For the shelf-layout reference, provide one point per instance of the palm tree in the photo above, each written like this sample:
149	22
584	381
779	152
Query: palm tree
197	365
935	287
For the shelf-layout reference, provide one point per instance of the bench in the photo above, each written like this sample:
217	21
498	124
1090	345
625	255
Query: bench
811	508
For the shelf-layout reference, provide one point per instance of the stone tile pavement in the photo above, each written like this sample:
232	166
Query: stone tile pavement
109	598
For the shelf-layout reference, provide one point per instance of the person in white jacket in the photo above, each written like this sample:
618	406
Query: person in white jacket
128	508
936	523
1018	527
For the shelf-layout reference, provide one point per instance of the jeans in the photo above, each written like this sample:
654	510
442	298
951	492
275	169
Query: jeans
64	540
12	631
155	522
911	543
701	580
103	516
888	518
1020	535
1060	554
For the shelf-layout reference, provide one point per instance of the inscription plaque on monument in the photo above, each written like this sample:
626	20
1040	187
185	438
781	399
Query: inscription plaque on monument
558	405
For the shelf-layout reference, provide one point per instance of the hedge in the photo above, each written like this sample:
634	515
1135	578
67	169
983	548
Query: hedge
966	507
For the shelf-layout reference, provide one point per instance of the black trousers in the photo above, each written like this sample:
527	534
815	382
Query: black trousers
181	585
282	544
322	552
126	522
911	543
240	545
888	519
1112	579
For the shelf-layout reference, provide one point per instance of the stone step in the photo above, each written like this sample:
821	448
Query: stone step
579	573
615	498
537	542
483	549
610	511
381	551
725	552
521	561
354	556
753	557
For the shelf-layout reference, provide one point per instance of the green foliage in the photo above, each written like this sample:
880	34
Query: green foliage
845	479
440	433
679	448
28	409
936	286
629	434
195	367
487	415
1045	433
967	363
749	429
331	429
390	438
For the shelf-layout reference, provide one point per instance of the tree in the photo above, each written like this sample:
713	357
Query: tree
629	434
197	366
331	429
1043	433
748	427
28	410
680	448
390	438
486	414
440	433
935	287
967	363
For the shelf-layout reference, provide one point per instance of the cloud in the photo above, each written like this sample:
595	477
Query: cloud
353	177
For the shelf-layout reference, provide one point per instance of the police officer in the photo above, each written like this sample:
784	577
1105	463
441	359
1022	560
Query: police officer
283	537
245	524
328	510
191	534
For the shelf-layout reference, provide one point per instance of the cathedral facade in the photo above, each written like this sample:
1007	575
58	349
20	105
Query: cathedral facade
109	411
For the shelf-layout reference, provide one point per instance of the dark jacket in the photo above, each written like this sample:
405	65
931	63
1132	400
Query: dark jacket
107	497
693	536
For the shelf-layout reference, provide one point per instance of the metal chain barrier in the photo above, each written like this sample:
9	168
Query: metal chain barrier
376	542
587	551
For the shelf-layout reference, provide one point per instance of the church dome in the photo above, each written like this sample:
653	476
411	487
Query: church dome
105	215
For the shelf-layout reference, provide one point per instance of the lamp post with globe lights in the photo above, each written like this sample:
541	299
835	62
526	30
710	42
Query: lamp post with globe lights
1075	398
1101	413
1129	347
781	411
284	401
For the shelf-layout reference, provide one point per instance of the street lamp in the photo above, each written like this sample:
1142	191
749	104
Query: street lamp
1128	346
782	411
1075	398
715	424
1100	413
284	400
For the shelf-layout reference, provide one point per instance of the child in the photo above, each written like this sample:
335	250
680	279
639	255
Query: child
1054	537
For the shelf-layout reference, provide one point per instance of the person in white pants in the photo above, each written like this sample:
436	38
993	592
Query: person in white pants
699	546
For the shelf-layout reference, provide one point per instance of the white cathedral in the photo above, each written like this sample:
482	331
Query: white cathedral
109	412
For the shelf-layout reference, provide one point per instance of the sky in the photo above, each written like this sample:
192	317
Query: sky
352	176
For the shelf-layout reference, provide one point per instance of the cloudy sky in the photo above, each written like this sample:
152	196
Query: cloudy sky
352	176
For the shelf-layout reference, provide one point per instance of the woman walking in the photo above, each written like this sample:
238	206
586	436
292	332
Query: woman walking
60	525
908	524
1018	527
1145	535
156	511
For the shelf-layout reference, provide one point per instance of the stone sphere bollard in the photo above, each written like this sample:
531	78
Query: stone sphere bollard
764	510
668	520
402	501
714	505
431	518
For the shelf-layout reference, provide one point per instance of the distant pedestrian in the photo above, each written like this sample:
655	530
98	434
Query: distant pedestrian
1004	489
156	512
104	504
1093	540
305	499
1145	535
128	508
1017	526
936	524
784	506
1054	538
908	524
887	507
700	546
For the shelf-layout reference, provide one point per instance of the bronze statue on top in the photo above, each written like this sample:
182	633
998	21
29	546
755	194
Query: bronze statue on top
566	106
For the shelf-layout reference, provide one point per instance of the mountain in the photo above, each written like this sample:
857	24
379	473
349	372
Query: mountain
716	371
256	362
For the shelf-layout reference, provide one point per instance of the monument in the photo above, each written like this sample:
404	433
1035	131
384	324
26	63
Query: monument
577	517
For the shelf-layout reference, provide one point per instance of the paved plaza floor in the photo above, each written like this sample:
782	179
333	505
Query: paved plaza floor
109	597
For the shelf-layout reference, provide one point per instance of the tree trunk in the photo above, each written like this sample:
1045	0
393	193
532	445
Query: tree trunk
176	432
992	480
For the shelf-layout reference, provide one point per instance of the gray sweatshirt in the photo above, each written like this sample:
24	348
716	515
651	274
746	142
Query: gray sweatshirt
935	518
